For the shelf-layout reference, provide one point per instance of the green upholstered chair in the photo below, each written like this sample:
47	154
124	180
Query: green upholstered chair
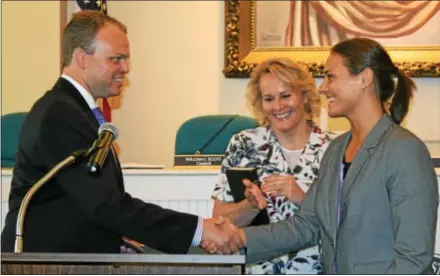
210	134
11	127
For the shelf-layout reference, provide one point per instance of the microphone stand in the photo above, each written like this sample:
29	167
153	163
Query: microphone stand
78	155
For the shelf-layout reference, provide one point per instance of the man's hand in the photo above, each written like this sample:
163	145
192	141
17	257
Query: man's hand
254	195
238	241
283	185
218	234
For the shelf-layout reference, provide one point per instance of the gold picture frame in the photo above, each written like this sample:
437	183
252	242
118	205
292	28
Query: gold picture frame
242	55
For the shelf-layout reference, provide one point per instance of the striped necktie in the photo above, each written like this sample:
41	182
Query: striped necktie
101	119
98	115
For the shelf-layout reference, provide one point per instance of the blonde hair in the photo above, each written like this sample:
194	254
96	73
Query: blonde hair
294	76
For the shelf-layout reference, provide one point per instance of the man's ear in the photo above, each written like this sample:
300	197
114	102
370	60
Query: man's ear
80	57
367	77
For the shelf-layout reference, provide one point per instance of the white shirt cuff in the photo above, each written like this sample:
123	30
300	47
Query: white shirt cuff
198	234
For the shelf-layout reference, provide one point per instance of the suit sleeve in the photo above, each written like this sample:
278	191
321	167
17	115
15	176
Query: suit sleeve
65	130
297	232
413	194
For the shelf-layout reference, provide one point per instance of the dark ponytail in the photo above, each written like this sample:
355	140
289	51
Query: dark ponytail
361	53
402	96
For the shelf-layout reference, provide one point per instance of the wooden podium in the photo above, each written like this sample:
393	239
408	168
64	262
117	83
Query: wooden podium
66	263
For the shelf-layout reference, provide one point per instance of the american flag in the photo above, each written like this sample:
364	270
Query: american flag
99	6
93	5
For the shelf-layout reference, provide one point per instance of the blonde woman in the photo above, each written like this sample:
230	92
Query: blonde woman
286	150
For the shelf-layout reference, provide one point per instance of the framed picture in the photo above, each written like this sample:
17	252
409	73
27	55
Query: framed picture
305	31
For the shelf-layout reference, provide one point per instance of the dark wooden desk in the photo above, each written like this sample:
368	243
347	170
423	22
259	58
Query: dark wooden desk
63	263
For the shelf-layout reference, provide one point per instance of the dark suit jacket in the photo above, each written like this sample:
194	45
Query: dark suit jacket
76	212
389	202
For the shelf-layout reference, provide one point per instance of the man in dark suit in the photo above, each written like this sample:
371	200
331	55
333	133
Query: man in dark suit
77	212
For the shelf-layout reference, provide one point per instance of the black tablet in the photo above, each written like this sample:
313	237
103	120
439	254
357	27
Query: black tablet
235	179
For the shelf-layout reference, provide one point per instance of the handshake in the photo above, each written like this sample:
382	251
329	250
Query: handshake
221	236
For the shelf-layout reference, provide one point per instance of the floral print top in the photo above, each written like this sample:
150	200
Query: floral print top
260	148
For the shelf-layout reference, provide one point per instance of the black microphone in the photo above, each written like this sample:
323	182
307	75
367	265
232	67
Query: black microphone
107	133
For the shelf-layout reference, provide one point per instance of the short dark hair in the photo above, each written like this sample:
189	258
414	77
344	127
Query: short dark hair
81	31
361	53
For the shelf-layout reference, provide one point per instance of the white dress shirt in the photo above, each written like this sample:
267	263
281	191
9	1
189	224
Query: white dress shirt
84	93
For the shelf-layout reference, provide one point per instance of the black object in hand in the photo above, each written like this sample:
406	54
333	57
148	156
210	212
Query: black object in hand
235	179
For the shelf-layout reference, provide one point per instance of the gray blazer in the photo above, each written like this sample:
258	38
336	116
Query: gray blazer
388	218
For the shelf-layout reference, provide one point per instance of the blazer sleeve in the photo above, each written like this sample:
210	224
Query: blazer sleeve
294	233
413	193
64	130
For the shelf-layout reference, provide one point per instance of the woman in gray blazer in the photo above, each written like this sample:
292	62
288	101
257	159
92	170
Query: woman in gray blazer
374	204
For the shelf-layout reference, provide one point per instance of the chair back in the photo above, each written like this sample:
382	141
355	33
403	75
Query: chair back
210	134
10	132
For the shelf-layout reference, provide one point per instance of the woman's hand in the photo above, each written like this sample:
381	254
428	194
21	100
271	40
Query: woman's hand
254	195
283	185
